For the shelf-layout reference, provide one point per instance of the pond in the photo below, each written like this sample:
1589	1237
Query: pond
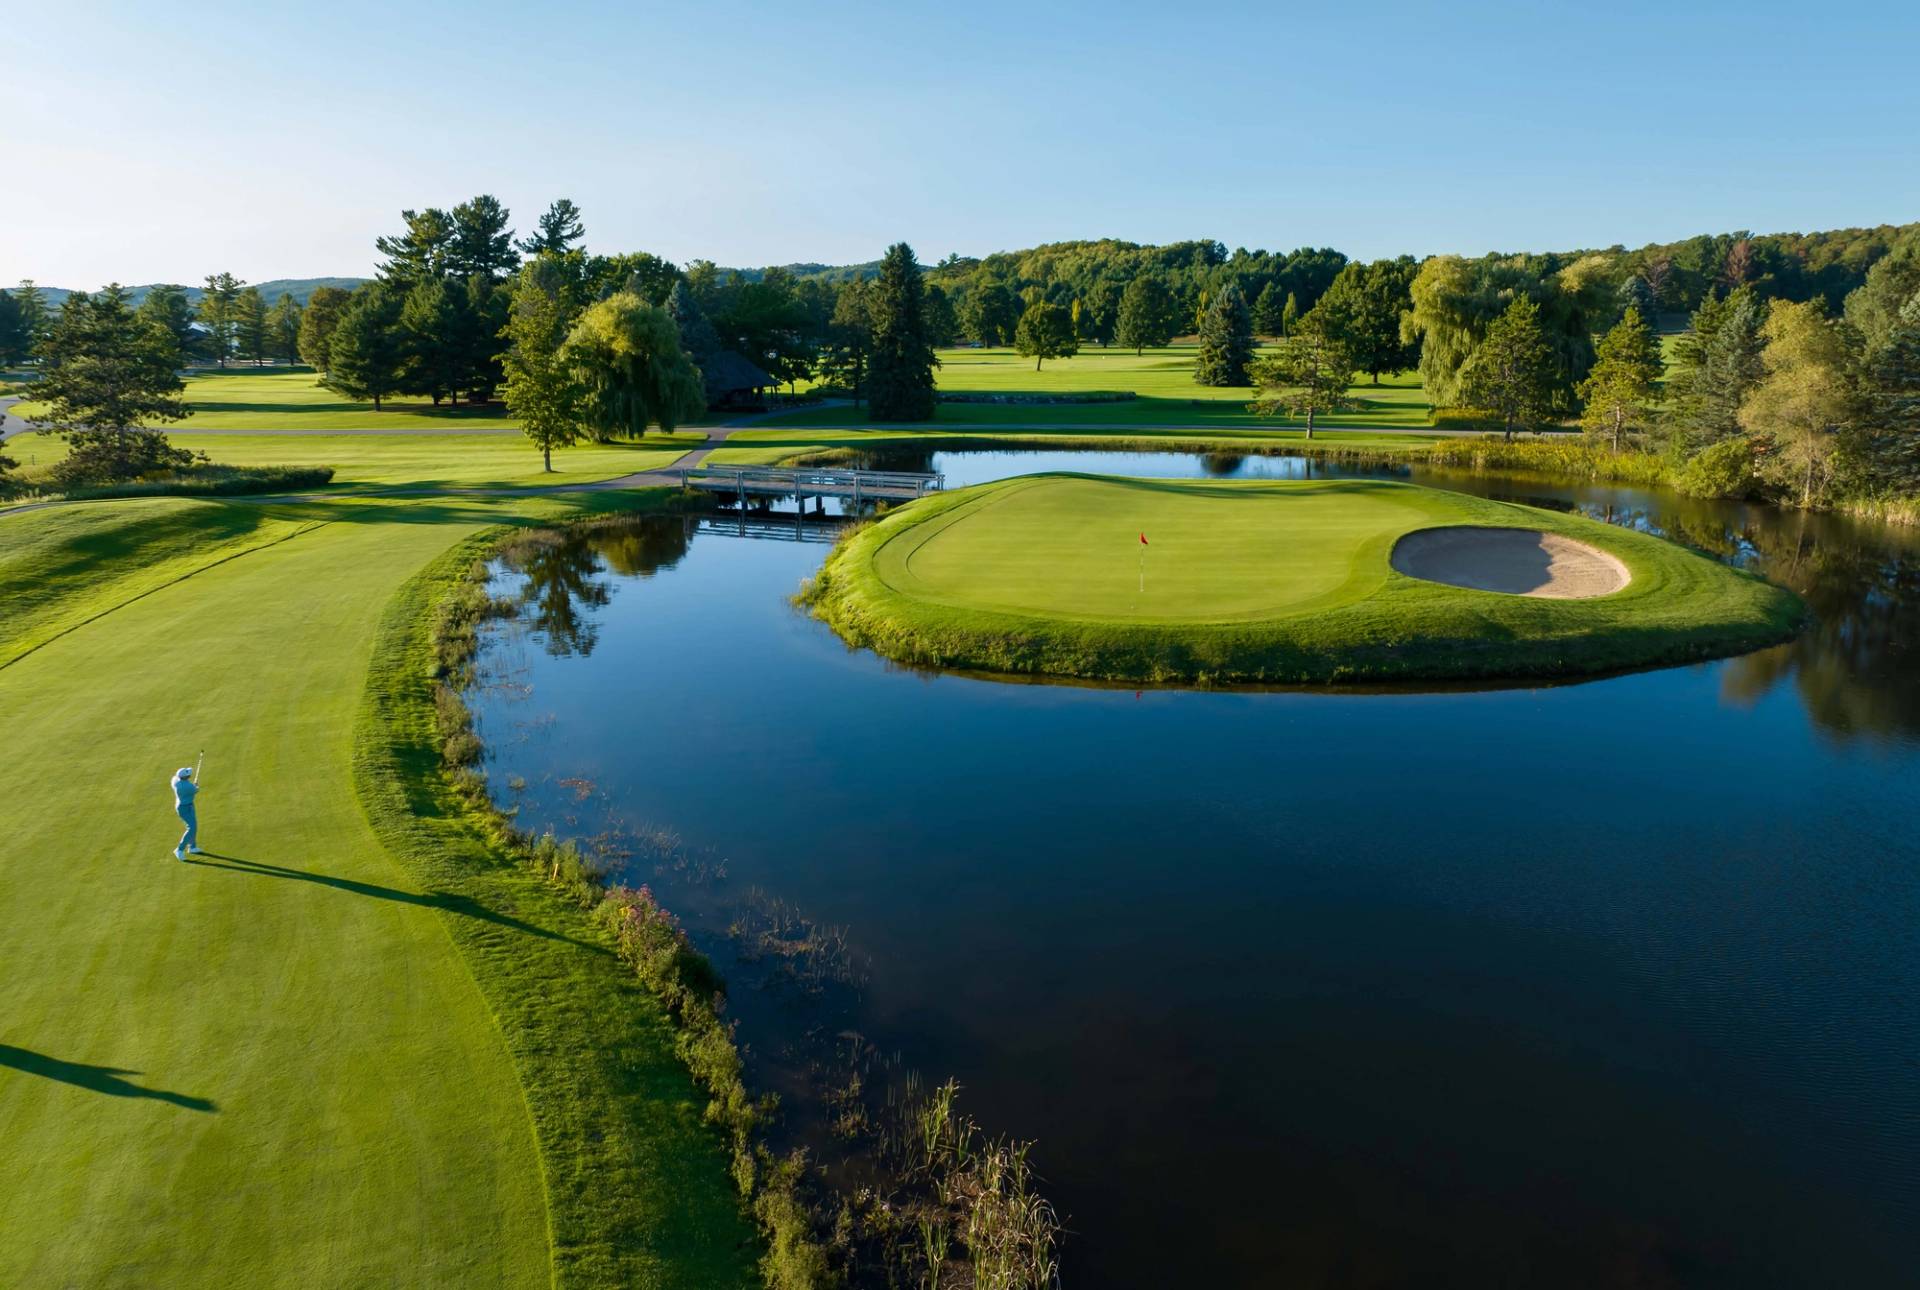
1596	984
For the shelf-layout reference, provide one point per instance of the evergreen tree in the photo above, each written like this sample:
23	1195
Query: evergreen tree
169	307
1874	307
901	369
482	319
481	241
1267	313
250	325
317	323
108	375
1715	367
541	391
1045	331
629	369
1620	389
1510	373
368	353
1308	373
432	325
1893	402
1147	315
1289	315
557	232
35	318
1636	294
1226	340
697	335
13	331
218	311
419	253
283	326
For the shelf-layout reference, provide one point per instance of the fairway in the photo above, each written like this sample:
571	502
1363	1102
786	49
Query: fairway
307	1057
1274	581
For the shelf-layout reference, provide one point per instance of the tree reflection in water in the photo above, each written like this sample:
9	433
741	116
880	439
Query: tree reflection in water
559	587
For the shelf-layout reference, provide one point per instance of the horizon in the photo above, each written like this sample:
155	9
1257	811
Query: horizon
1453	134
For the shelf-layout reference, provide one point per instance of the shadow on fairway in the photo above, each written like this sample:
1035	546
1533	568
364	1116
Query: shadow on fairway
97	1079
449	902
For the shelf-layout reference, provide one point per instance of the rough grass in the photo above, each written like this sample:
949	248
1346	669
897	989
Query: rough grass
1275	582
321	1056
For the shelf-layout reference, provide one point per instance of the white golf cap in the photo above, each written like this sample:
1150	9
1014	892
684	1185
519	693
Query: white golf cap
183	772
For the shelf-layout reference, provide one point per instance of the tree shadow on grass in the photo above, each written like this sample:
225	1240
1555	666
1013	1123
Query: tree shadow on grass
97	1079
446	901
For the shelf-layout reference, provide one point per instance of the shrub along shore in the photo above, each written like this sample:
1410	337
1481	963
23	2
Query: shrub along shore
976	602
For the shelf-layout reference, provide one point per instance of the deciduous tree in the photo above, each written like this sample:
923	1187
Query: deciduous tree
629	369
901	380
540	388
1362	310
1045	331
1808	400
943	325
989	314
1148	315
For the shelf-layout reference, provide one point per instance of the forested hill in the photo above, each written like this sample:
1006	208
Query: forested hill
299	288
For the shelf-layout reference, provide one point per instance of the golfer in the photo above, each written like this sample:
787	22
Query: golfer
184	791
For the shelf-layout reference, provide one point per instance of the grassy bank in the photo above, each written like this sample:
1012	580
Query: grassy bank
1260	582
326	1053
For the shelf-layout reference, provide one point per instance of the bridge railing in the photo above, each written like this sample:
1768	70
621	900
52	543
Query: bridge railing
815	481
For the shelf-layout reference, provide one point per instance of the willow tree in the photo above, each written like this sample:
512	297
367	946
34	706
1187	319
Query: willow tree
900	366
629	369
1455	301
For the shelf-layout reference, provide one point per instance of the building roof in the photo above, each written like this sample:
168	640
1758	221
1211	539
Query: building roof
730	371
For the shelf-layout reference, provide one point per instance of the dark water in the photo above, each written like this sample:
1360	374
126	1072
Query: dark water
1604	984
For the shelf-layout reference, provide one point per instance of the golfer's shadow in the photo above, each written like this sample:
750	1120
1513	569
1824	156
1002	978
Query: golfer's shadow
98	1079
451	902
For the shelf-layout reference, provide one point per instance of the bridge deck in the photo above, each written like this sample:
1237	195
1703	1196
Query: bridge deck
792	481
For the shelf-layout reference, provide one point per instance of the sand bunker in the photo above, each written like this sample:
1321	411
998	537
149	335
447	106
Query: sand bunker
1519	562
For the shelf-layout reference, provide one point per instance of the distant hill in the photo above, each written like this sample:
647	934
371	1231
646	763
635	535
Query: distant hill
299	288
823	272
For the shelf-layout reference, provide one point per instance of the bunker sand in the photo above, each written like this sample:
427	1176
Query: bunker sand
1517	562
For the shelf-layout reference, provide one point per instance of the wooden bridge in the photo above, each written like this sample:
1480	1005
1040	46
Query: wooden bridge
801	528
800	483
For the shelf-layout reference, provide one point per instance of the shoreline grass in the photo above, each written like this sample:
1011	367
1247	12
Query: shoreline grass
976	606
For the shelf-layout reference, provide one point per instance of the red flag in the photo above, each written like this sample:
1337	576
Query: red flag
1143	539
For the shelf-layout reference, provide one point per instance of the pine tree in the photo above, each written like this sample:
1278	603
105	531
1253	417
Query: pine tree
1226	340
431	321
541	391
1045	331
317	324
368	352
1893	396
35	319
250	324
419	253
943	328
1711	389
558	231
13	331
697	334
169	307
849	340
1146	317
483	317
901	381
1289	315
1267	310
481	241
1308	373
283	326
108	375
1511	372
1619	390
218	311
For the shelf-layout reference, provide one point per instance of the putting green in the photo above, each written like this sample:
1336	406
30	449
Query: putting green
1270	581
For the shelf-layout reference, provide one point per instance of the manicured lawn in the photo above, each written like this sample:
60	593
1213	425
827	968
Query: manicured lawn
338	1050
1275	581
293	399
422	460
1162	378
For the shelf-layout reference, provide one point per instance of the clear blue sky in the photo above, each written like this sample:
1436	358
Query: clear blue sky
143	142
